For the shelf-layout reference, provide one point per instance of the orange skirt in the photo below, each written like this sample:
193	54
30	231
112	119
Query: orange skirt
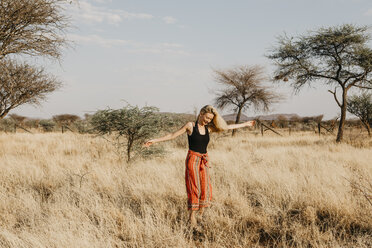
198	183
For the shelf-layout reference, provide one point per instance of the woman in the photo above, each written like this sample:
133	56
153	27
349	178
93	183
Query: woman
198	186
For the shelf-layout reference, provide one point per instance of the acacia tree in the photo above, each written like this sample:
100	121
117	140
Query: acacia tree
21	84
33	28
361	106
65	119
243	88
130	127
19	119
336	56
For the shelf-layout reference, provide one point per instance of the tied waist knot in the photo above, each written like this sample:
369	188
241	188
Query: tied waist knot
203	156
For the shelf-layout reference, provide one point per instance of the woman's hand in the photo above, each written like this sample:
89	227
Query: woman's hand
148	143
251	123
240	125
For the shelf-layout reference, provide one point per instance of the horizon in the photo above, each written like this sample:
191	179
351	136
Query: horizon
224	115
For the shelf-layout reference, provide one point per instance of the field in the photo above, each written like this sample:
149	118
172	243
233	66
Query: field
71	190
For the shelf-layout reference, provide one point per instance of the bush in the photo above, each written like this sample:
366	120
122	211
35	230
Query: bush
83	126
128	128
47	125
31	123
7	125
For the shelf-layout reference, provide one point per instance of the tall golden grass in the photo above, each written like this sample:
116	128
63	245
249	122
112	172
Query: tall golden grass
71	190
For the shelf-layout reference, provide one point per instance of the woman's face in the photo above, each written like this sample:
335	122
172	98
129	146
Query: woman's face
205	118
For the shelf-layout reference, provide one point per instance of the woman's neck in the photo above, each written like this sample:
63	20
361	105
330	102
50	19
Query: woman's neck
198	123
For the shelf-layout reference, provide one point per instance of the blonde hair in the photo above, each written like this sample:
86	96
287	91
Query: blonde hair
217	124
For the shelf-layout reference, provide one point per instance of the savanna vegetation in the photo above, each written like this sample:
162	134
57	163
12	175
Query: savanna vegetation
72	190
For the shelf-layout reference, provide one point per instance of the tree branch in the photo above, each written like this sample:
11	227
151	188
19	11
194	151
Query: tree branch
353	76
334	95
363	87
324	76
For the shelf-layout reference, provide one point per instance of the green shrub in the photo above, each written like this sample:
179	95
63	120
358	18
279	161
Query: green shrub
128	128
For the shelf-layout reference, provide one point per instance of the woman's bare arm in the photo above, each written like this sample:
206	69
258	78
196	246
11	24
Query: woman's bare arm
188	127
244	124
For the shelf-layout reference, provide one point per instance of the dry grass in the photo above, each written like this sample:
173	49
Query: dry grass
72	191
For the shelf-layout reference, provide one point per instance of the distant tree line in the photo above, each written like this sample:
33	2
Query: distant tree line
74	123
68	121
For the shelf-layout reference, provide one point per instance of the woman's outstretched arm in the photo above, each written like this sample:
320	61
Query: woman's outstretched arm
240	125
186	128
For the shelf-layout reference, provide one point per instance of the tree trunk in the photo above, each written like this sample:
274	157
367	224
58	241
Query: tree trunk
129	147
366	125
237	119
340	133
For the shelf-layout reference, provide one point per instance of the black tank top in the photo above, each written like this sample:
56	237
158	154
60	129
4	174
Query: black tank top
198	142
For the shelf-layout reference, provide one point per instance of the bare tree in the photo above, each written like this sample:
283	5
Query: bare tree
337	56
21	84
33	28
243	88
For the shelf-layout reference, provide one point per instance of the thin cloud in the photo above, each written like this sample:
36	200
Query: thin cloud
368	13
129	45
170	48
91	14
102	1
97	40
158	50
169	20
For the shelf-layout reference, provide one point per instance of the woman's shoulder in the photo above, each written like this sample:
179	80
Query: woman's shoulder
190	124
189	127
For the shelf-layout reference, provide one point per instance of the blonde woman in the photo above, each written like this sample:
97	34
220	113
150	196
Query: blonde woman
198	185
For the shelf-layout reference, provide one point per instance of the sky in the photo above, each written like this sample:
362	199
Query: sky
164	53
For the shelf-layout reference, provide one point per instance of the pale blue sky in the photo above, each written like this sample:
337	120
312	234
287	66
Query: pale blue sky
162	53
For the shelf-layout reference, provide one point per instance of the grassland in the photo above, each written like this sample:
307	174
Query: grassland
71	190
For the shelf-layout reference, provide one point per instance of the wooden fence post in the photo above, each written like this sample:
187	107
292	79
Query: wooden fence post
66	127
15	125
319	128
267	128
262	129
